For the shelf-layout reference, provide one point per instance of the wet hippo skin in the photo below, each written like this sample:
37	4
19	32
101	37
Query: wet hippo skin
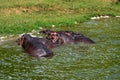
34	47
61	37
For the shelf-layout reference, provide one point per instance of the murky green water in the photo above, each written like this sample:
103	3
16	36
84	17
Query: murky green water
100	61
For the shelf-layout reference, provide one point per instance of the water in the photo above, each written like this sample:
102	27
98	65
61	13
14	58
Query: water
100	61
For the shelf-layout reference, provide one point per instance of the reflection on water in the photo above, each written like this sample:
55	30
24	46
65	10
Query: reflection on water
100	61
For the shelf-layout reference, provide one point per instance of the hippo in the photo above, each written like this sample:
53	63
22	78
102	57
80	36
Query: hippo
67	37
33	46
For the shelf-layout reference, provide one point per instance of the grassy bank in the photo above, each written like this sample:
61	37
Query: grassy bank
25	15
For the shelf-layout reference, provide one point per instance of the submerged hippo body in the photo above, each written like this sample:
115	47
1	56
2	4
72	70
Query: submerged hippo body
77	37
34	47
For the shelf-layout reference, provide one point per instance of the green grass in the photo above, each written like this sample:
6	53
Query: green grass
18	16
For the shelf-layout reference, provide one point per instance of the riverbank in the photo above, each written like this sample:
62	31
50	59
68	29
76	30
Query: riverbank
21	16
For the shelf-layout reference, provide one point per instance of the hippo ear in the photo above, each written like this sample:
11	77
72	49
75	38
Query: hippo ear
48	31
